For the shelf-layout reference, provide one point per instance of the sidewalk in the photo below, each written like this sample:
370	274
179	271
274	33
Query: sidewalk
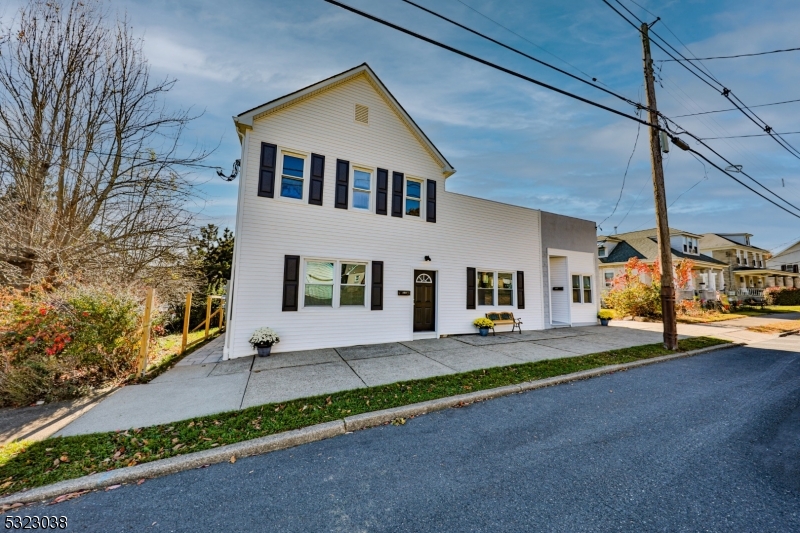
203	384
732	330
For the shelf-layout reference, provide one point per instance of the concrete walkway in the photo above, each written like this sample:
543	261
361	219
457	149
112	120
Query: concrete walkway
203	384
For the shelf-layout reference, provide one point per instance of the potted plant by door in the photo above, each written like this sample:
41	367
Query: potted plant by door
263	339
605	315
483	324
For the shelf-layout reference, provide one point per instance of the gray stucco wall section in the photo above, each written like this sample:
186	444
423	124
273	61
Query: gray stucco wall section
564	233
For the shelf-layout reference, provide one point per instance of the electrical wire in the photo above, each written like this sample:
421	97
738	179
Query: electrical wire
745	136
520	52
736	109
111	154
547	86
704	178
732	57
484	61
727	93
487	17
624	176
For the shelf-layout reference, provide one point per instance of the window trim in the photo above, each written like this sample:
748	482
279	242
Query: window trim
372	184
609	284
337	283
495	287
581	289
421	198
306	157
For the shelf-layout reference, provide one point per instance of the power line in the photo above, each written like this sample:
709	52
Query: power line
624	176
487	17
484	61
111	154
547	86
704	178
515	50
727	93
745	136
732	57
736	109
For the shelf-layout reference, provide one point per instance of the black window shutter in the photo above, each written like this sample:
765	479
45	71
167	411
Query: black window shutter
471	280
397	194
342	183
291	282
266	172
382	196
430	199
317	179
377	286
520	289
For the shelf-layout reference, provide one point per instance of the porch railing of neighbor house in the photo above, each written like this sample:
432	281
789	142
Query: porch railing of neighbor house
750	293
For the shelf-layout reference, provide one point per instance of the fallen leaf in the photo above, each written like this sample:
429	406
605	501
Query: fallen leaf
398	421
112	487
233	459
56	462
6	485
64	459
175	440
215	444
191	424
329	401
140	481
178	447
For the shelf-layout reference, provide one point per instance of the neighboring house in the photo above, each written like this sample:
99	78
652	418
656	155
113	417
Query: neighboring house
787	260
346	233
614	251
748	272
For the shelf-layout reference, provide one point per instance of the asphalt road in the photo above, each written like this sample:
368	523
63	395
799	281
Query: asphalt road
708	443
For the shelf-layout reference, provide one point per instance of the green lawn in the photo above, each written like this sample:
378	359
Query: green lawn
33	464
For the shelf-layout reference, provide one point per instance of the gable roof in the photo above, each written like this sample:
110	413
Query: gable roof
787	249
646	248
652	232
245	120
722	240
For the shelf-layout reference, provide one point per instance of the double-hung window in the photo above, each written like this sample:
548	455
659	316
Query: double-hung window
334	283
495	288
581	289
319	284
353	281
413	197
362	182
608	278
292	176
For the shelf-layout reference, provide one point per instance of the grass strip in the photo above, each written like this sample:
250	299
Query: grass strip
34	464
776	327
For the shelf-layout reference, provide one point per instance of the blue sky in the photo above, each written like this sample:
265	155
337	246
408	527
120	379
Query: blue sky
509	140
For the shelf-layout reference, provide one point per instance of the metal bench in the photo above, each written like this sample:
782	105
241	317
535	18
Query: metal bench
505	318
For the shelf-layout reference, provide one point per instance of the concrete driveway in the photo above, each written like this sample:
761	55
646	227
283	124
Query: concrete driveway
203	384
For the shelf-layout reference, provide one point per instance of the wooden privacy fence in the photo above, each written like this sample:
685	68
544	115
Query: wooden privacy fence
141	364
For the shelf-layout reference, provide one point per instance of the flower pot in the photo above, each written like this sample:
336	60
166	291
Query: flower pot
483	331
604	321
263	351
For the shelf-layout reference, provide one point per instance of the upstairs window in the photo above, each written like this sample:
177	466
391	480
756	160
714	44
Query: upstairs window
601	251
413	197
292	176
362	184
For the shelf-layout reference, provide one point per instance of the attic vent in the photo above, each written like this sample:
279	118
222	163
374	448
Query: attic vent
362	114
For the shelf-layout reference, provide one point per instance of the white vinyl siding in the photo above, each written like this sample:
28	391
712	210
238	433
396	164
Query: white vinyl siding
269	229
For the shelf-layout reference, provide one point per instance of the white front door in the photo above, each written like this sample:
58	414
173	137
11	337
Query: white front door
559	291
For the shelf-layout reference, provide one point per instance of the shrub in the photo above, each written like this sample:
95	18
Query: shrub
60	344
782	295
630	296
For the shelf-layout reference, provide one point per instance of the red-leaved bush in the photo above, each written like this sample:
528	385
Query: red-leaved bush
58	344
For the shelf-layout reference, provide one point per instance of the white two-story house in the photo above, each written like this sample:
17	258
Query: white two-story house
346	233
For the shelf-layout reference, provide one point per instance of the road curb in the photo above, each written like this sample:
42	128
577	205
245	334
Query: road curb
315	433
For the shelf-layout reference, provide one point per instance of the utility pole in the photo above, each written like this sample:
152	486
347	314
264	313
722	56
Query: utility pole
660	196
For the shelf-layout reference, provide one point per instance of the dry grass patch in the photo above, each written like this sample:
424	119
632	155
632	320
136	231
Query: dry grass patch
777	327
